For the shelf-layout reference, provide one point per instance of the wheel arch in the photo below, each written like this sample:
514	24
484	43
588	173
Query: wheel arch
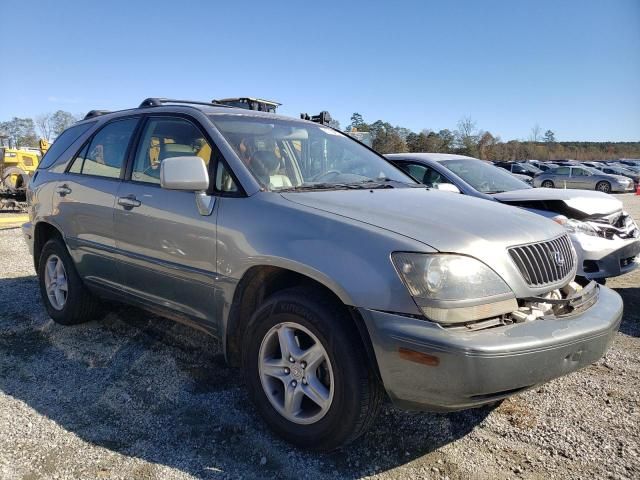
259	283
42	233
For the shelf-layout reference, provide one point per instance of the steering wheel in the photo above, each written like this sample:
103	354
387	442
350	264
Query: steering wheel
484	186
332	173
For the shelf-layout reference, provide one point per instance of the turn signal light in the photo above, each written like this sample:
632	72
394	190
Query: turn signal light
418	357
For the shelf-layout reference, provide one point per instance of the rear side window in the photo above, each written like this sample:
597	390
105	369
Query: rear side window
104	155
64	141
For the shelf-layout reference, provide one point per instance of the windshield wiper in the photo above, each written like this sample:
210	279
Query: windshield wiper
369	184
315	186
366	185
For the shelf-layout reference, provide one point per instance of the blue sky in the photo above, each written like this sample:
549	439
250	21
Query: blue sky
570	66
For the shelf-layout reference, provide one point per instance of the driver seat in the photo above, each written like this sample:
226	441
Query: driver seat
431	178
271	164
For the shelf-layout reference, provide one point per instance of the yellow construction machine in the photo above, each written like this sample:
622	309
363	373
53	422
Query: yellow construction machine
17	165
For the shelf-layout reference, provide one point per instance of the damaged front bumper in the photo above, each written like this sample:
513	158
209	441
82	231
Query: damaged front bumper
600	257
427	367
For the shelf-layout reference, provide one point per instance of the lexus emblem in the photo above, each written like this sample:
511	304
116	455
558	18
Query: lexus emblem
557	257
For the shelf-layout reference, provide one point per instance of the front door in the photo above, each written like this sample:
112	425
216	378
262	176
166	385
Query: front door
580	178
165	243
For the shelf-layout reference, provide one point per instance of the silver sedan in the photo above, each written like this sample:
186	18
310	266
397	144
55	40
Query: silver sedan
582	177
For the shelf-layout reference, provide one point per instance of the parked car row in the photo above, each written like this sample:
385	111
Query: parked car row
606	177
331	275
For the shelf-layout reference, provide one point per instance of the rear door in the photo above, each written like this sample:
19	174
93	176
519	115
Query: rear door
84	198
166	244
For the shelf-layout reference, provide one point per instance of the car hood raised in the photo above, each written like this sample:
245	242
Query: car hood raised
448	222
587	202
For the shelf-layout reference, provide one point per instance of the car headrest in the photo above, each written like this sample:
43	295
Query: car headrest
268	159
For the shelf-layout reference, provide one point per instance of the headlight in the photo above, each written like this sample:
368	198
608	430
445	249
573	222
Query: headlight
454	288
575	226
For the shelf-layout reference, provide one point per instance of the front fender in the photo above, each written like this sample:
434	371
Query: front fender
350	258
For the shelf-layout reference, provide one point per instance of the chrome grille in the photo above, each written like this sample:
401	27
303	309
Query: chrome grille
542	263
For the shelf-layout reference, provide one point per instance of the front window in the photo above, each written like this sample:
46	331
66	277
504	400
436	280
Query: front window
484	177
165	138
290	155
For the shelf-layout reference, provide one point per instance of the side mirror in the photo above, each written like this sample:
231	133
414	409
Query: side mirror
448	187
184	173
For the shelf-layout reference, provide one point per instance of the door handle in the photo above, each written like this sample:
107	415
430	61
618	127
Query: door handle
63	190
129	202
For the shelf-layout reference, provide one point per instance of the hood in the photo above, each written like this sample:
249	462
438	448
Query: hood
581	203
447	222
618	177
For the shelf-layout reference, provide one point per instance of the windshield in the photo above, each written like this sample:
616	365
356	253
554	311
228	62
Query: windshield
294	155
484	177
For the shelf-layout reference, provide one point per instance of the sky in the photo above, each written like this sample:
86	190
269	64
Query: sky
572	66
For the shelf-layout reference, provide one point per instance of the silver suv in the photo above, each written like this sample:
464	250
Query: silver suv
329	275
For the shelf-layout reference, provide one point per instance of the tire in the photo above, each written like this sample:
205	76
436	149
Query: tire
77	304
21	178
547	184
352	388
603	186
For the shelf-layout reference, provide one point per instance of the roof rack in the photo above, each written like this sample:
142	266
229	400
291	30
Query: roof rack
250	103
323	118
158	102
96	113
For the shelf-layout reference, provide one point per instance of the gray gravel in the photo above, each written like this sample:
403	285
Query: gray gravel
133	396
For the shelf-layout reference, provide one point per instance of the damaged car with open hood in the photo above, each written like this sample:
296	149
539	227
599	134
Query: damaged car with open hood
328	274
605	237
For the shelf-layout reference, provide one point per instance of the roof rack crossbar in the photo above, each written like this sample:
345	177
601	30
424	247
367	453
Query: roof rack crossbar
96	113
158	102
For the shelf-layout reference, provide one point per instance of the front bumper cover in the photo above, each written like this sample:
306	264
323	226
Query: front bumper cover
605	257
470	369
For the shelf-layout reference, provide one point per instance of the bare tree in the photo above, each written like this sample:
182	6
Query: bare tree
45	126
467	137
536	133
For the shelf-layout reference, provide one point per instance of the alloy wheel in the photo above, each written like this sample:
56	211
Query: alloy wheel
55	282
296	373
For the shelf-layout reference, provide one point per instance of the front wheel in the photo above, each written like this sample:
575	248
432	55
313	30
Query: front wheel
603	187
547	184
307	371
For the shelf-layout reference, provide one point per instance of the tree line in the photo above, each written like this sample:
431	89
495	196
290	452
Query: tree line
468	139
26	132
465	139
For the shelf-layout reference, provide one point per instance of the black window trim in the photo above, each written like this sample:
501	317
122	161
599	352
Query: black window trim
214	161
90	139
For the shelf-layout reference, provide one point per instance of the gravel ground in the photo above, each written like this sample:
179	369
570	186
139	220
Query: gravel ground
133	396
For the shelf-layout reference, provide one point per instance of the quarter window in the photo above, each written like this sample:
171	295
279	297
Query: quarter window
166	138
104	155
